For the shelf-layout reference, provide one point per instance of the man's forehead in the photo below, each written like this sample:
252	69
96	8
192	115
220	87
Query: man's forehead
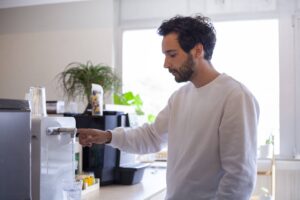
171	37
170	43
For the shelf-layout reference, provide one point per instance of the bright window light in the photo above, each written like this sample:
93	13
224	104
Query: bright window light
249	52
143	70
246	50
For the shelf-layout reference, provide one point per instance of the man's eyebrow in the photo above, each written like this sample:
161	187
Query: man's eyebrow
170	51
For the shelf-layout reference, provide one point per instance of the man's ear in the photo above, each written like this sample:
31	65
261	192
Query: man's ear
198	51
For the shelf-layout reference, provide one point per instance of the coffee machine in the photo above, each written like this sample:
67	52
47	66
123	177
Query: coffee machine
109	164
52	155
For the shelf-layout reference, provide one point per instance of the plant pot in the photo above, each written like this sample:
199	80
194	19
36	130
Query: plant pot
266	151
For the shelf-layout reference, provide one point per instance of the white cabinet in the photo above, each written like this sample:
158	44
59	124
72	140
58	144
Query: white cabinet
239	6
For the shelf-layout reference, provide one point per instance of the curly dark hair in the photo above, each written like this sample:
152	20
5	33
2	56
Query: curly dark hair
191	31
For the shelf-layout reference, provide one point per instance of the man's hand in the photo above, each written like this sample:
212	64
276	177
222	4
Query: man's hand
89	136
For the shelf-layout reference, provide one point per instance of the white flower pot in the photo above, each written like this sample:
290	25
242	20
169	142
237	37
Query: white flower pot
265	151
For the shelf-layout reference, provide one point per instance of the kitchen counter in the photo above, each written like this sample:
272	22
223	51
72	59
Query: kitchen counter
152	184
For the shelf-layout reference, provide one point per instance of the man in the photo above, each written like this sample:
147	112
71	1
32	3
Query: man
210	123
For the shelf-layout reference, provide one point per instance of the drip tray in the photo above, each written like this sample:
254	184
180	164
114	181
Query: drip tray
130	174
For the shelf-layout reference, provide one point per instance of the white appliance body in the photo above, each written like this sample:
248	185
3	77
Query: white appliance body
52	157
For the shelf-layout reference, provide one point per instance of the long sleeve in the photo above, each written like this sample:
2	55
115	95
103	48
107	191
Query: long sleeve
148	138
238	142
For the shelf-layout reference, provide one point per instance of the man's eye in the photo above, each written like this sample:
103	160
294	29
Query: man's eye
172	55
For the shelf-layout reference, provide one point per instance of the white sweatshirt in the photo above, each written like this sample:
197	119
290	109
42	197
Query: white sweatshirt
211	134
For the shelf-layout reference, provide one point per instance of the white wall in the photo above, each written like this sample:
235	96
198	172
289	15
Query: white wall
37	42
21	3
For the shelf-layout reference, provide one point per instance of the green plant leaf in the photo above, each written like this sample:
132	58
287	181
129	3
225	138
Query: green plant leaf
137	100
270	140
139	110
151	118
129	99
119	99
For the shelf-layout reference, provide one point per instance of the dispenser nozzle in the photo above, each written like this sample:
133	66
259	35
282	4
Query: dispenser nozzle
59	130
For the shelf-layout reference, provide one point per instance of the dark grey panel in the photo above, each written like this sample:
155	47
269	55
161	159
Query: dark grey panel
15	137
13	104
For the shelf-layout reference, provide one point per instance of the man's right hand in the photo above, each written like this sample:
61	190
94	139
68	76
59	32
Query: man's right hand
88	136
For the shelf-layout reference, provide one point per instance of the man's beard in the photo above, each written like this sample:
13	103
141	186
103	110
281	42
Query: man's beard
185	71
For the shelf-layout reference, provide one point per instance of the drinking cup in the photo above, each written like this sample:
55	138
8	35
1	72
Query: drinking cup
72	190
37	98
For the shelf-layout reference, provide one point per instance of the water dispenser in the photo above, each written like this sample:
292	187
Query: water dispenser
52	155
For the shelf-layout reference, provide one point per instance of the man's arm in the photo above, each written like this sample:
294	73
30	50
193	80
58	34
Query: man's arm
238	146
148	138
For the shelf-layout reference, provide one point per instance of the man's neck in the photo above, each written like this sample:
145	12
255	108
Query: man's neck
205	74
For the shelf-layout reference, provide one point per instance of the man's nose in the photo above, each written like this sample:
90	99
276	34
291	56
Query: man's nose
167	63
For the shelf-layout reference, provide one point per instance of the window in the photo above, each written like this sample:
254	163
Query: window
143	70
249	52
245	50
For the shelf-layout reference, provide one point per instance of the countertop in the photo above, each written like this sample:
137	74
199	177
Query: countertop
153	183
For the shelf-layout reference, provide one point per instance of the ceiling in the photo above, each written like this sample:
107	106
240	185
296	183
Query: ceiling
22	3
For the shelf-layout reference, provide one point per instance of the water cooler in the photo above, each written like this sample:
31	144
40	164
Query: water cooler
52	155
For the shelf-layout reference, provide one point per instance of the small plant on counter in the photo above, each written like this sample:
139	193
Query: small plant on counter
266	194
270	140
129	99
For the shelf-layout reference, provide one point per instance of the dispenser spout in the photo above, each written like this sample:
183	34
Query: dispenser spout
59	130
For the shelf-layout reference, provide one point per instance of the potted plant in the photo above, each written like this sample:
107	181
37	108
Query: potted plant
266	194
77	79
131	99
266	150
